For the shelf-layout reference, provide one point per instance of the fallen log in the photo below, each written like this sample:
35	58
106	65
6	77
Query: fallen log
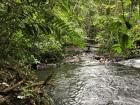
8	89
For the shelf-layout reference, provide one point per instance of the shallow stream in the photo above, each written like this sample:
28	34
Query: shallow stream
92	83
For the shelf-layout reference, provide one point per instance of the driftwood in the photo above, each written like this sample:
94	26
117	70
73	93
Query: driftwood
8	89
13	87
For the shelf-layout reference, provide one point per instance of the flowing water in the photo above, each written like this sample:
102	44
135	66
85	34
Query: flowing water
92	83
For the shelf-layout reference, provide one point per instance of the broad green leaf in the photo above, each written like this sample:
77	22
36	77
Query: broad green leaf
117	48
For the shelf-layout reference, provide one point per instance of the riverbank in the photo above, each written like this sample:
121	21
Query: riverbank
20	89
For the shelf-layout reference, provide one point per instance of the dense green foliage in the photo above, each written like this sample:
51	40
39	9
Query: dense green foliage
117	22
33	29
30	27
29	30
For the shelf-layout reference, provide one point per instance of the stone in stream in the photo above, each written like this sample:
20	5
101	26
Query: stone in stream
73	59
43	66
47	66
131	62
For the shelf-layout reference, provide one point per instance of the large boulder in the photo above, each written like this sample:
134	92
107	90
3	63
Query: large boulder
131	62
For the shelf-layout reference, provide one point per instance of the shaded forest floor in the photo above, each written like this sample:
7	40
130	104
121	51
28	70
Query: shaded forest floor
19	89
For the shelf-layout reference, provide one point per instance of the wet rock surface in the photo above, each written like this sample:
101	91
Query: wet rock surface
131	62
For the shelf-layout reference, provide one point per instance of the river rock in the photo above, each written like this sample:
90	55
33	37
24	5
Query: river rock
131	62
47	66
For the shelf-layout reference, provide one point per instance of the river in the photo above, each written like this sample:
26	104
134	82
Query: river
92	83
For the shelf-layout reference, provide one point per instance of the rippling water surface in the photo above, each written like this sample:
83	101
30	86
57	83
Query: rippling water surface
91	83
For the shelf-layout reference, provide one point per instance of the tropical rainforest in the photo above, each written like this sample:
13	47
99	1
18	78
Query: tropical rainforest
39	31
